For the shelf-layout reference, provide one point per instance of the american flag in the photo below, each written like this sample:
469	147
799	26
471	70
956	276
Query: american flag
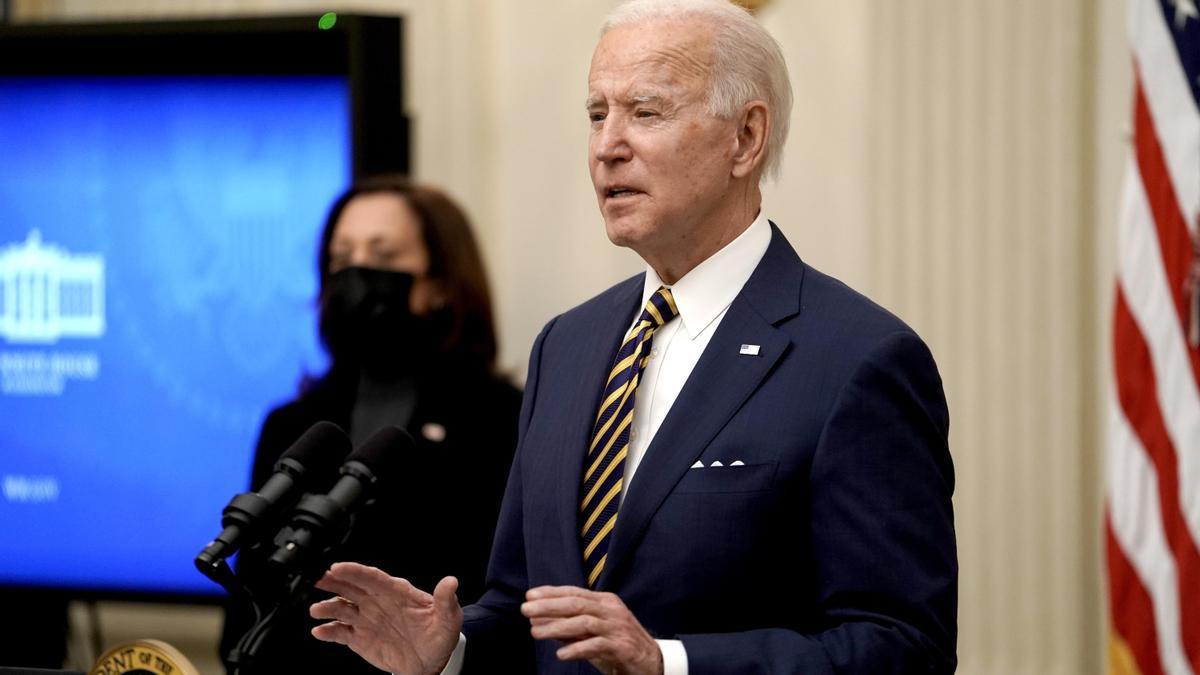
1152	519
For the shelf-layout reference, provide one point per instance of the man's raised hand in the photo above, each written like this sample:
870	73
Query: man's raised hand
387	621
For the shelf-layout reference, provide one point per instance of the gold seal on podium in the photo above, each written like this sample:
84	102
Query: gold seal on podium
143	657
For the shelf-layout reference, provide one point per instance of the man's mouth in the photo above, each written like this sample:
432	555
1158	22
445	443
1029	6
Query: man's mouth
619	192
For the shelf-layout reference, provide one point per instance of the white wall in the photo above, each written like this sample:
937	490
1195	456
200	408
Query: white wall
989	234
956	160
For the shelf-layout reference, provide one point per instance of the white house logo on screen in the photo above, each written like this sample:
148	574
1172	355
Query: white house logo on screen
47	293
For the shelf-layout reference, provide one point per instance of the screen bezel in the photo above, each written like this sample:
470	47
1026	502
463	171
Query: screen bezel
365	49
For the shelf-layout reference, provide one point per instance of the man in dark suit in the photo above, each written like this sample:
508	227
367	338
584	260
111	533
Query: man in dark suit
730	464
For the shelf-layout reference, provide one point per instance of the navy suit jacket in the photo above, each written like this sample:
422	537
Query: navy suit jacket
830	550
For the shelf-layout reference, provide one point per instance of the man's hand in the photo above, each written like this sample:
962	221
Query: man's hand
596	627
387	621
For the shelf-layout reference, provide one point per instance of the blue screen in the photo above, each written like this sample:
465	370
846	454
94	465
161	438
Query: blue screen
158	241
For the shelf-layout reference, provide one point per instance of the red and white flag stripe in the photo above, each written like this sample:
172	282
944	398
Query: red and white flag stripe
1152	528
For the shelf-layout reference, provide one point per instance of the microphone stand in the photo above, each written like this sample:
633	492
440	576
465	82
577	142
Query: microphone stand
240	660
269	606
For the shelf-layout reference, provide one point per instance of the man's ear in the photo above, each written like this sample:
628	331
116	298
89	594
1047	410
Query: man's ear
754	125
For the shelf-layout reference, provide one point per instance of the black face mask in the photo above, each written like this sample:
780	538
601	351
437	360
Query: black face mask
366	321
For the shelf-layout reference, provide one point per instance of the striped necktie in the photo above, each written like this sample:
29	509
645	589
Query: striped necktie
605	465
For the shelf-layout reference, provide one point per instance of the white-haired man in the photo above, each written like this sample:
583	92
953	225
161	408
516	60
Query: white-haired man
729	464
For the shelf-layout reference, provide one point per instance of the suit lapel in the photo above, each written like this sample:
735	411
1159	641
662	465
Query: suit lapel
597	345
718	386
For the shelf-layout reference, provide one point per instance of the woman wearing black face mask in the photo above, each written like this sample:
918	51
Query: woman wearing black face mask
406	318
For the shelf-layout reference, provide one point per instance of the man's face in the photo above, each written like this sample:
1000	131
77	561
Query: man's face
660	163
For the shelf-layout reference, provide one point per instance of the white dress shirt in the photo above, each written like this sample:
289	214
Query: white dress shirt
702	296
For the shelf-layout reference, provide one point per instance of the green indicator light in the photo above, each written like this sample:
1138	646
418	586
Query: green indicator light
327	20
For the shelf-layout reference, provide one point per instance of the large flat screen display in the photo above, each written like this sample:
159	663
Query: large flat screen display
158	240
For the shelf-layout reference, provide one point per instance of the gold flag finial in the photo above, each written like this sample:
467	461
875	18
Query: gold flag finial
751	5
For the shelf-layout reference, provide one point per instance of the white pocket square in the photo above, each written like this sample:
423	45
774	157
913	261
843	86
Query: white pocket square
718	464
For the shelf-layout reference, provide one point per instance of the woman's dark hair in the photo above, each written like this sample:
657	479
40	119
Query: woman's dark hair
454	263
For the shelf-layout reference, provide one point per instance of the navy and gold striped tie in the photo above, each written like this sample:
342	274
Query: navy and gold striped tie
605	465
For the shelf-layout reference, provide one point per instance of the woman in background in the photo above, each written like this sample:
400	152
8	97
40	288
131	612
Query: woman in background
406	317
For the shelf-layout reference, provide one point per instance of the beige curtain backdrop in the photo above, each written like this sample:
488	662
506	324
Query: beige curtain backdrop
957	161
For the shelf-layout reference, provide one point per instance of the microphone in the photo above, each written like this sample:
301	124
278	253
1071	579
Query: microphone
250	514
320	522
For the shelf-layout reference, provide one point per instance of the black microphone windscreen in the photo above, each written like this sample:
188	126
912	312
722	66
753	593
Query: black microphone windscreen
321	449
384	450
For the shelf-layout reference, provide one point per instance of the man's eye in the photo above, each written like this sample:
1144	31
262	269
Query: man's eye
596	117
646	113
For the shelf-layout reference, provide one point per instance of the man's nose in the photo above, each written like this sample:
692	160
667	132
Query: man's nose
610	142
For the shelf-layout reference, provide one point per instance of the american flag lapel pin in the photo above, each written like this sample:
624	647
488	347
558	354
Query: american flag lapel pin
749	350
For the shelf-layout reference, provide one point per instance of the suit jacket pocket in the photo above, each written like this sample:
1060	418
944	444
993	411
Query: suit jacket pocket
744	478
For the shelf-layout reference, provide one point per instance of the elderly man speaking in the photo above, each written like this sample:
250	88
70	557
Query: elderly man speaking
731	463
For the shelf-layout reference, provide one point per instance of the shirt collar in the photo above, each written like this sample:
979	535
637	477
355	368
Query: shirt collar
704	292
